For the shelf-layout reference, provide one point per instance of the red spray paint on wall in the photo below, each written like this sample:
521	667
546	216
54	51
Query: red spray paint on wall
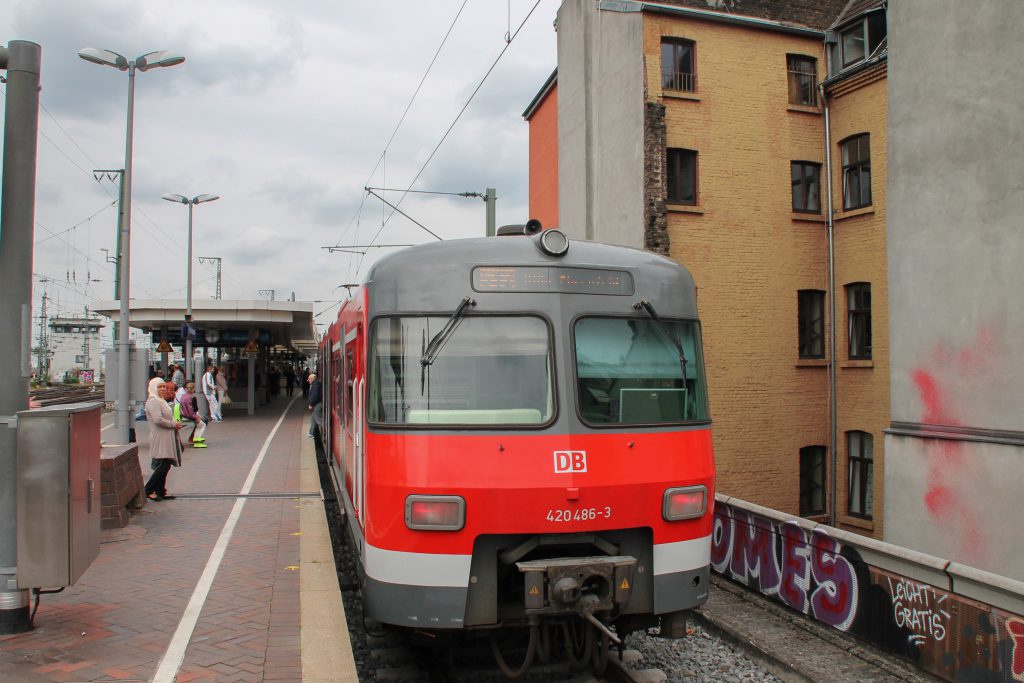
945	498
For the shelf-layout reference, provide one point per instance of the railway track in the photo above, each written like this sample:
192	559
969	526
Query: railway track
57	395
394	661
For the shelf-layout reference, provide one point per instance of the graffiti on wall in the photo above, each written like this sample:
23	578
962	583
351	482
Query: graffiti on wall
918	608
808	574
1015	627
810	571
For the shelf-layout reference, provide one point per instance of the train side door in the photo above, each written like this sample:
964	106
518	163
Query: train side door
354	419
335	435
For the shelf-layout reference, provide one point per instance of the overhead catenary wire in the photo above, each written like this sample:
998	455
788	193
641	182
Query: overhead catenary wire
79	223
67	134
160	236
458	116
401	119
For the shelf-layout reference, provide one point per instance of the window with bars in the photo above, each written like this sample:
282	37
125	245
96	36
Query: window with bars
681	176
806	181
812	481
856	153
858	306
678	65
803	80
811	317
860	453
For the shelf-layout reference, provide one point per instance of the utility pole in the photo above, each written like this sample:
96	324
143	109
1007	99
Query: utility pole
85	340
212	259
44	346
21	59
110	174
491	200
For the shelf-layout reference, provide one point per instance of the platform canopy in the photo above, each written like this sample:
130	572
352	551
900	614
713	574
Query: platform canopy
224	323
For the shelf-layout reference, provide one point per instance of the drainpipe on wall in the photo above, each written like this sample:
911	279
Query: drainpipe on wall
829	233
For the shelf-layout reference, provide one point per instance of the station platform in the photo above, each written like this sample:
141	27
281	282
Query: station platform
233	580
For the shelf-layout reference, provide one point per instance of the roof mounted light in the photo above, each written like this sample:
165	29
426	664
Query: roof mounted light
532	227
553	242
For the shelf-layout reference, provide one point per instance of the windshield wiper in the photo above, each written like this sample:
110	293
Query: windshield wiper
647	308
439	339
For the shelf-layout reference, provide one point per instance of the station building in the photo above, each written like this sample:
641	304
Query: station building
248	339
747	140
74	348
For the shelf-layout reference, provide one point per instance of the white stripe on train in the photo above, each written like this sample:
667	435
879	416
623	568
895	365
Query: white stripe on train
437	570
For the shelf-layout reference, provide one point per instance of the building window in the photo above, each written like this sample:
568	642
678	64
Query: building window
682	176
678	66
858	305
812	481
811	304
860	40
803	80
806	179
852	41
856	172
860	451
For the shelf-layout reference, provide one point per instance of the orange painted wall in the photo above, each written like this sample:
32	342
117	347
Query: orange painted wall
544	161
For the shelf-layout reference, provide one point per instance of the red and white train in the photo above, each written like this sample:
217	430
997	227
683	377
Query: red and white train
518	430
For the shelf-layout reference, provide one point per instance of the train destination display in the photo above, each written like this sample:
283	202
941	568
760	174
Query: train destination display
552	279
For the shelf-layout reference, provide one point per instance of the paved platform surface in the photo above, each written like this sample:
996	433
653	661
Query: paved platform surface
232	581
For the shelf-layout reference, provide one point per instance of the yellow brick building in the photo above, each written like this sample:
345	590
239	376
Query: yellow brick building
698	129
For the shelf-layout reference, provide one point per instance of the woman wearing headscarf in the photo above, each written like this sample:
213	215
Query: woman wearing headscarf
163	435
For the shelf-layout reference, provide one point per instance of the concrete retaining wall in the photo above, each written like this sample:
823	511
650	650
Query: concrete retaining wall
953	621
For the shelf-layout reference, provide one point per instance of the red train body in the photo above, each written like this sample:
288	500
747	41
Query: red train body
518	430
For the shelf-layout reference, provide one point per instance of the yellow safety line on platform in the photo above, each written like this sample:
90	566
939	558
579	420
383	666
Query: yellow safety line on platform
324	640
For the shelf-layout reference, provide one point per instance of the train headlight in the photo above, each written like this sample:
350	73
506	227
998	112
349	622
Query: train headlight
687	502
435	513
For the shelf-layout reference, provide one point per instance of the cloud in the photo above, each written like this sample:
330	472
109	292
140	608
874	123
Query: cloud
285	115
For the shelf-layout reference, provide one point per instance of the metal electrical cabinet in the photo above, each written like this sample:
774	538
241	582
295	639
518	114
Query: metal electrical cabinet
58	493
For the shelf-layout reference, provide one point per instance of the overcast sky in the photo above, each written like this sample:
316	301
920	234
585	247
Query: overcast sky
284	110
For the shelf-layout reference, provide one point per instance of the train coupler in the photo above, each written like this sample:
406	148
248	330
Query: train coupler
577	584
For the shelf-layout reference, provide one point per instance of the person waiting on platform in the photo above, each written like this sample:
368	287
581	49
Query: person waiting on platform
289	379
177	376
316	405
209	387
220	380
163	437
190	413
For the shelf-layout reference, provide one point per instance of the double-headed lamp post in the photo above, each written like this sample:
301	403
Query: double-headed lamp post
150	60
199	199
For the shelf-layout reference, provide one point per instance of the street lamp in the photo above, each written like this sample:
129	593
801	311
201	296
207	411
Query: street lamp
199	199
150	60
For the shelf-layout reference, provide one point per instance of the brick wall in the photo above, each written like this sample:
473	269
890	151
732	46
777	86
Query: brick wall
544	161
750	255
656	237
857	106
121	485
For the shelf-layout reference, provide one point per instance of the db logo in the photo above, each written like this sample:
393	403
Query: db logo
570	461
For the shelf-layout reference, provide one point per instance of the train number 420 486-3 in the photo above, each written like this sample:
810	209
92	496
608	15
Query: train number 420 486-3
579	514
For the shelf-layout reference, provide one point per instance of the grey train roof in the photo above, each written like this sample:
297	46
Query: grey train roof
434	277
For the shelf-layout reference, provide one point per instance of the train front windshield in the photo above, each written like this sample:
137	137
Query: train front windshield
631	371
490	370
